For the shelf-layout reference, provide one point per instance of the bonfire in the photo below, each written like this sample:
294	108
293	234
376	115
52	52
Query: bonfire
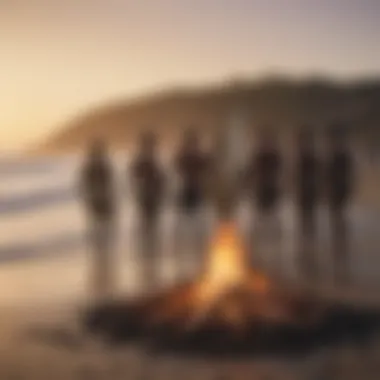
228	292
229	302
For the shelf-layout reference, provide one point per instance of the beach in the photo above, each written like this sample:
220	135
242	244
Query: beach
44	285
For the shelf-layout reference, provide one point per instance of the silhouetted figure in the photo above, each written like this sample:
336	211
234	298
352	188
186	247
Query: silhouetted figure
148	183
307	172
339	186
97	186
191	164
263	176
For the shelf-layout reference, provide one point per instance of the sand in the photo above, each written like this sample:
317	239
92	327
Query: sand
46	342
41	294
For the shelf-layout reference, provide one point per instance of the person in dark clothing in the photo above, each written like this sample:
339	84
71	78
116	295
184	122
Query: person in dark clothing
263	177
191	165
266	170
97	188
148	184
339	188
307	172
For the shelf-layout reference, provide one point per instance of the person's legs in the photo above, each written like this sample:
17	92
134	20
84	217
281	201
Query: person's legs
268	228
306	241
95	256
198	238
260	238
252	231
272	236
187	233
148	252
179	243
101	236
339	243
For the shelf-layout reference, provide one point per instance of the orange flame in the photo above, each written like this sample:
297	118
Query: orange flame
226	270
226	263
227	267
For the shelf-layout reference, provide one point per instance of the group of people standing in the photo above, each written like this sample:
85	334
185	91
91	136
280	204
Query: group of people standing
314	177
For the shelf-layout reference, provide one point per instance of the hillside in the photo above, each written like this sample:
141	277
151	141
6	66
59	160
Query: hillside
279	102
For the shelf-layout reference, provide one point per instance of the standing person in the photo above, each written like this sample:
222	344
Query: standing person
97	188
191	164
339	186
307	172
263	176
148	184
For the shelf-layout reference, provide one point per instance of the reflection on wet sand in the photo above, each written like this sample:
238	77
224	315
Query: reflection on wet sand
65	274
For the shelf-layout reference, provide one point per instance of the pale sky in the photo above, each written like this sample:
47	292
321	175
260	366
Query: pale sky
58	58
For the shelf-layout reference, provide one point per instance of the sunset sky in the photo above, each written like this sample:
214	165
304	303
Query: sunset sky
58	58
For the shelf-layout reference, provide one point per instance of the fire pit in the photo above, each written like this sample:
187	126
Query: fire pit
230	307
